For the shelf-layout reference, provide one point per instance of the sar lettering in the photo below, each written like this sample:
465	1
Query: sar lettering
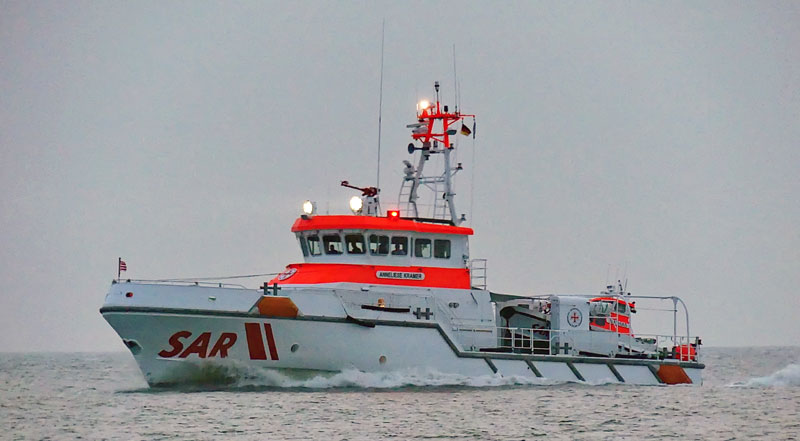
199	346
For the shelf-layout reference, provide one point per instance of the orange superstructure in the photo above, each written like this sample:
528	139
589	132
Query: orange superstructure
379	250
617	320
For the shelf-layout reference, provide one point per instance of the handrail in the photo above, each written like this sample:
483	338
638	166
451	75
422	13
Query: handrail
675	301
177	282
516	338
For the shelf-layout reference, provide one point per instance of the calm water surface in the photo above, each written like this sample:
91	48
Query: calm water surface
749	393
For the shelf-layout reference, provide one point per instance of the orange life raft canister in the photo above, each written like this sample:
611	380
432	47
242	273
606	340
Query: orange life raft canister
686	353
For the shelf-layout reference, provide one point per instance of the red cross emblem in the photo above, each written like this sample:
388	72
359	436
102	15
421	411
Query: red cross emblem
574	317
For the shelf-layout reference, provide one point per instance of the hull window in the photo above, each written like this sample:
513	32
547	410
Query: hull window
441	249
422	248
399	245
304	246
314	246
378	245
333	243
355	243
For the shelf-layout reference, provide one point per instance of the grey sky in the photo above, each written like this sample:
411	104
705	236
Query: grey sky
183	136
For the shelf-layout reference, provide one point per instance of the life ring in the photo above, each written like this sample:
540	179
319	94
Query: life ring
286	274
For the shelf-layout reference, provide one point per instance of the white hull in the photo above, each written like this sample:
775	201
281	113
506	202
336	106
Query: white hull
334	344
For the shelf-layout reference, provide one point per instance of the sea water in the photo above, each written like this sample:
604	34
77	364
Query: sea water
748	393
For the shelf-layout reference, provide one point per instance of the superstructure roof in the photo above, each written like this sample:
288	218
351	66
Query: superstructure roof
351	222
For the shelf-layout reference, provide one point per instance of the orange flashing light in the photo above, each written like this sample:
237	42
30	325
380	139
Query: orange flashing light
393	214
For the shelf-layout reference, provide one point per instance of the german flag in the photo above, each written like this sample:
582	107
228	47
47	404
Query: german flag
465	130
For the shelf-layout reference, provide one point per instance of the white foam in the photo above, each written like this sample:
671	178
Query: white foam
788	376
381	380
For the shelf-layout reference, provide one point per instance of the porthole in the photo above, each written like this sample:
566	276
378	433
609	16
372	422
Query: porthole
294	347
382	359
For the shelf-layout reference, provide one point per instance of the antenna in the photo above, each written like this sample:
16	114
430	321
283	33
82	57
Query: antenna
380	108
455	78
472	183
625	276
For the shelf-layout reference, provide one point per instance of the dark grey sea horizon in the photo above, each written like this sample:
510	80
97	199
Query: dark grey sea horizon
749	393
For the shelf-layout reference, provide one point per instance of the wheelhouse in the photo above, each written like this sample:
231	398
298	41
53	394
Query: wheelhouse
612	314
379	250
362	240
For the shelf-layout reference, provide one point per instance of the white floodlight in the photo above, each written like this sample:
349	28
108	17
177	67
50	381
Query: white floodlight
309	207
356	204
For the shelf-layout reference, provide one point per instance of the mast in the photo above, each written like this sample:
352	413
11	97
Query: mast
380	116
433	130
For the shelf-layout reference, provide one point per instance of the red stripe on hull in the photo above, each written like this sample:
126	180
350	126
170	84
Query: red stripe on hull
273	351
254	341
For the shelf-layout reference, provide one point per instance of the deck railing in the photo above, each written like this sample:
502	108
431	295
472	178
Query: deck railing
561	342
178	282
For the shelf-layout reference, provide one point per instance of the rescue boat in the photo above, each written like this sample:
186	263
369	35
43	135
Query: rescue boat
389	290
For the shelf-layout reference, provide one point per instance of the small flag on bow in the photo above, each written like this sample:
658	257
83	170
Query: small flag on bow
122	267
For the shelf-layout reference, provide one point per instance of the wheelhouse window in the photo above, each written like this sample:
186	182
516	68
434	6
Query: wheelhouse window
333	243
304	246
441	249
422	248
378	245
314	246
355	243
399	245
